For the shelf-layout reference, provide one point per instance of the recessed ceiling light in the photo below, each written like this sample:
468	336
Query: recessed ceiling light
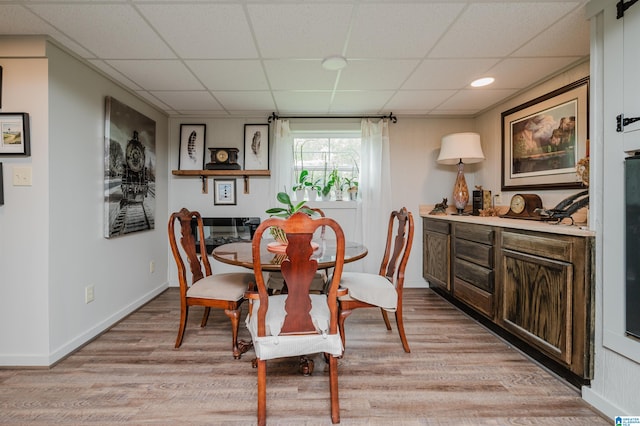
334	63
482	81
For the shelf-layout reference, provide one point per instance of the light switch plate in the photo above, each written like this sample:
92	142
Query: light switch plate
22	176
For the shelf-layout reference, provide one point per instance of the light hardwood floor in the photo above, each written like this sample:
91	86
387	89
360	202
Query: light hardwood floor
456	374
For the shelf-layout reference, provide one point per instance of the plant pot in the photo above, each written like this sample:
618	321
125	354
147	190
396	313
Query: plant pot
326	197
279	235
300	194
339	196
353	194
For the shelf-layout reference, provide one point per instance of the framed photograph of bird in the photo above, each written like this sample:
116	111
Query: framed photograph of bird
256	146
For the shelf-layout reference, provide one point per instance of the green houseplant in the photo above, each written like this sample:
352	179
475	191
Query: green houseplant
284	212
328	184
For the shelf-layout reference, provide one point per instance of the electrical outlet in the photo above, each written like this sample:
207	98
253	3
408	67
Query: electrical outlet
152	266
89	294
497	199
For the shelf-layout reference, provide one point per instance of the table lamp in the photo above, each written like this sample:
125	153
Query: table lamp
460	148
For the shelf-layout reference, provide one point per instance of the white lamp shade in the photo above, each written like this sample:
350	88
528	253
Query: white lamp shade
458	147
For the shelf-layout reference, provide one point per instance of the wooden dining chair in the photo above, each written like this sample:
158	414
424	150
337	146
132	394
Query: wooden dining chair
275	282
222	291
296	323
382	290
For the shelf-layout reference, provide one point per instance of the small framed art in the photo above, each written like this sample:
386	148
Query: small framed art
192	142
224	192
256	146
15	134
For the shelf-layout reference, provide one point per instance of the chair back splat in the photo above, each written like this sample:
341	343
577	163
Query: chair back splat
223	291
384	291
298	322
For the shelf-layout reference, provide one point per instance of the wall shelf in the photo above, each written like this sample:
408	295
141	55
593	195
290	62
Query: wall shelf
204	174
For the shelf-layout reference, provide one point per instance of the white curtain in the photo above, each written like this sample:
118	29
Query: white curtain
282	165
375	189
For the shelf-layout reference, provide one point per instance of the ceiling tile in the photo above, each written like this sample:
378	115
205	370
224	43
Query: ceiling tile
229	75
158	74
375	75
519	73
366	102
118	26
188	101
290	102
246	101
448	73
418	100
570	37
399	30
497	29
203	31
299	75
113	73
475	100
300	30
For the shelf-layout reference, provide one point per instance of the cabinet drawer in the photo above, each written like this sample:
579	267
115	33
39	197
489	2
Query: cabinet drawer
477	233
439	226
473	252
556	247
474	274
474	297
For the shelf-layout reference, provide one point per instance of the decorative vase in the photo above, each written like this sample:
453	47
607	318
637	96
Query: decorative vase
460	190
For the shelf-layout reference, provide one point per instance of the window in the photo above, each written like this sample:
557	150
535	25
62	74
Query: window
332	162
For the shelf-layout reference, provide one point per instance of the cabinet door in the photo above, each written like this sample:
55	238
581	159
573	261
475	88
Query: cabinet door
631	74
537	302
436	259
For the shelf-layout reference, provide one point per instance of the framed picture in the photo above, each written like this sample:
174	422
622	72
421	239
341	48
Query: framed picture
1	187
129	170
192	142
543	140
224	192
256	146
15	134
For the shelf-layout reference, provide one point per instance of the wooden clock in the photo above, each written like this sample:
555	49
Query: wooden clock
523	206
224	159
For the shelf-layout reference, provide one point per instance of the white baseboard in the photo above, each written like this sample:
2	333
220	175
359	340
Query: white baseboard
80	340
604	406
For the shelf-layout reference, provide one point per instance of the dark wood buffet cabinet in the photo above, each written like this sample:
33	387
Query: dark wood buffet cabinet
529	281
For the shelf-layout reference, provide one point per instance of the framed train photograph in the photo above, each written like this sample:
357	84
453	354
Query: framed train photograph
129	170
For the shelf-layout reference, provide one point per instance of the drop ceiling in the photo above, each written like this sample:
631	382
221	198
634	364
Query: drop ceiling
246	57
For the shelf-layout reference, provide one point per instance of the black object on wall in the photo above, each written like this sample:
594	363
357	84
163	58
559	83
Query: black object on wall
632	235
1	187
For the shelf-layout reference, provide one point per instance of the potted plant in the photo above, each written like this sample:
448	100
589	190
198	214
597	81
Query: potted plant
352	188
285	212
328	184
305	181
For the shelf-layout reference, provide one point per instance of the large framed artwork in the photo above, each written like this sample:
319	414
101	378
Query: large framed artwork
14	127
129	170
256	146
192	143
544	139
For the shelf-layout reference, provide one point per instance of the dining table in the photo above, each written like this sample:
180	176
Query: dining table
240	254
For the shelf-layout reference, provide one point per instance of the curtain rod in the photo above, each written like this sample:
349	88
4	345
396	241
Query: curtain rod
391	117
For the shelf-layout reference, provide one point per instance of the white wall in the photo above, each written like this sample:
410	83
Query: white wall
24	222
52	242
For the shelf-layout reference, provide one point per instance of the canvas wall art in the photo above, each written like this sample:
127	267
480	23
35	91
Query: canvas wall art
129	170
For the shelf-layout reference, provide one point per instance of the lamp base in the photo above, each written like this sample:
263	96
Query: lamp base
460	190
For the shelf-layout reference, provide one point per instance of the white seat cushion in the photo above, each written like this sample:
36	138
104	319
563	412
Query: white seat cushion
370	288
231	286
274	346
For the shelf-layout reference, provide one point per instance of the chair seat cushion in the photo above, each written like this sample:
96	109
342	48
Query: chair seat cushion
275	346
231	286
370	288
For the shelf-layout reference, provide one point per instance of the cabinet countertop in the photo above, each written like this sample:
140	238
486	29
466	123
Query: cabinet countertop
529	225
